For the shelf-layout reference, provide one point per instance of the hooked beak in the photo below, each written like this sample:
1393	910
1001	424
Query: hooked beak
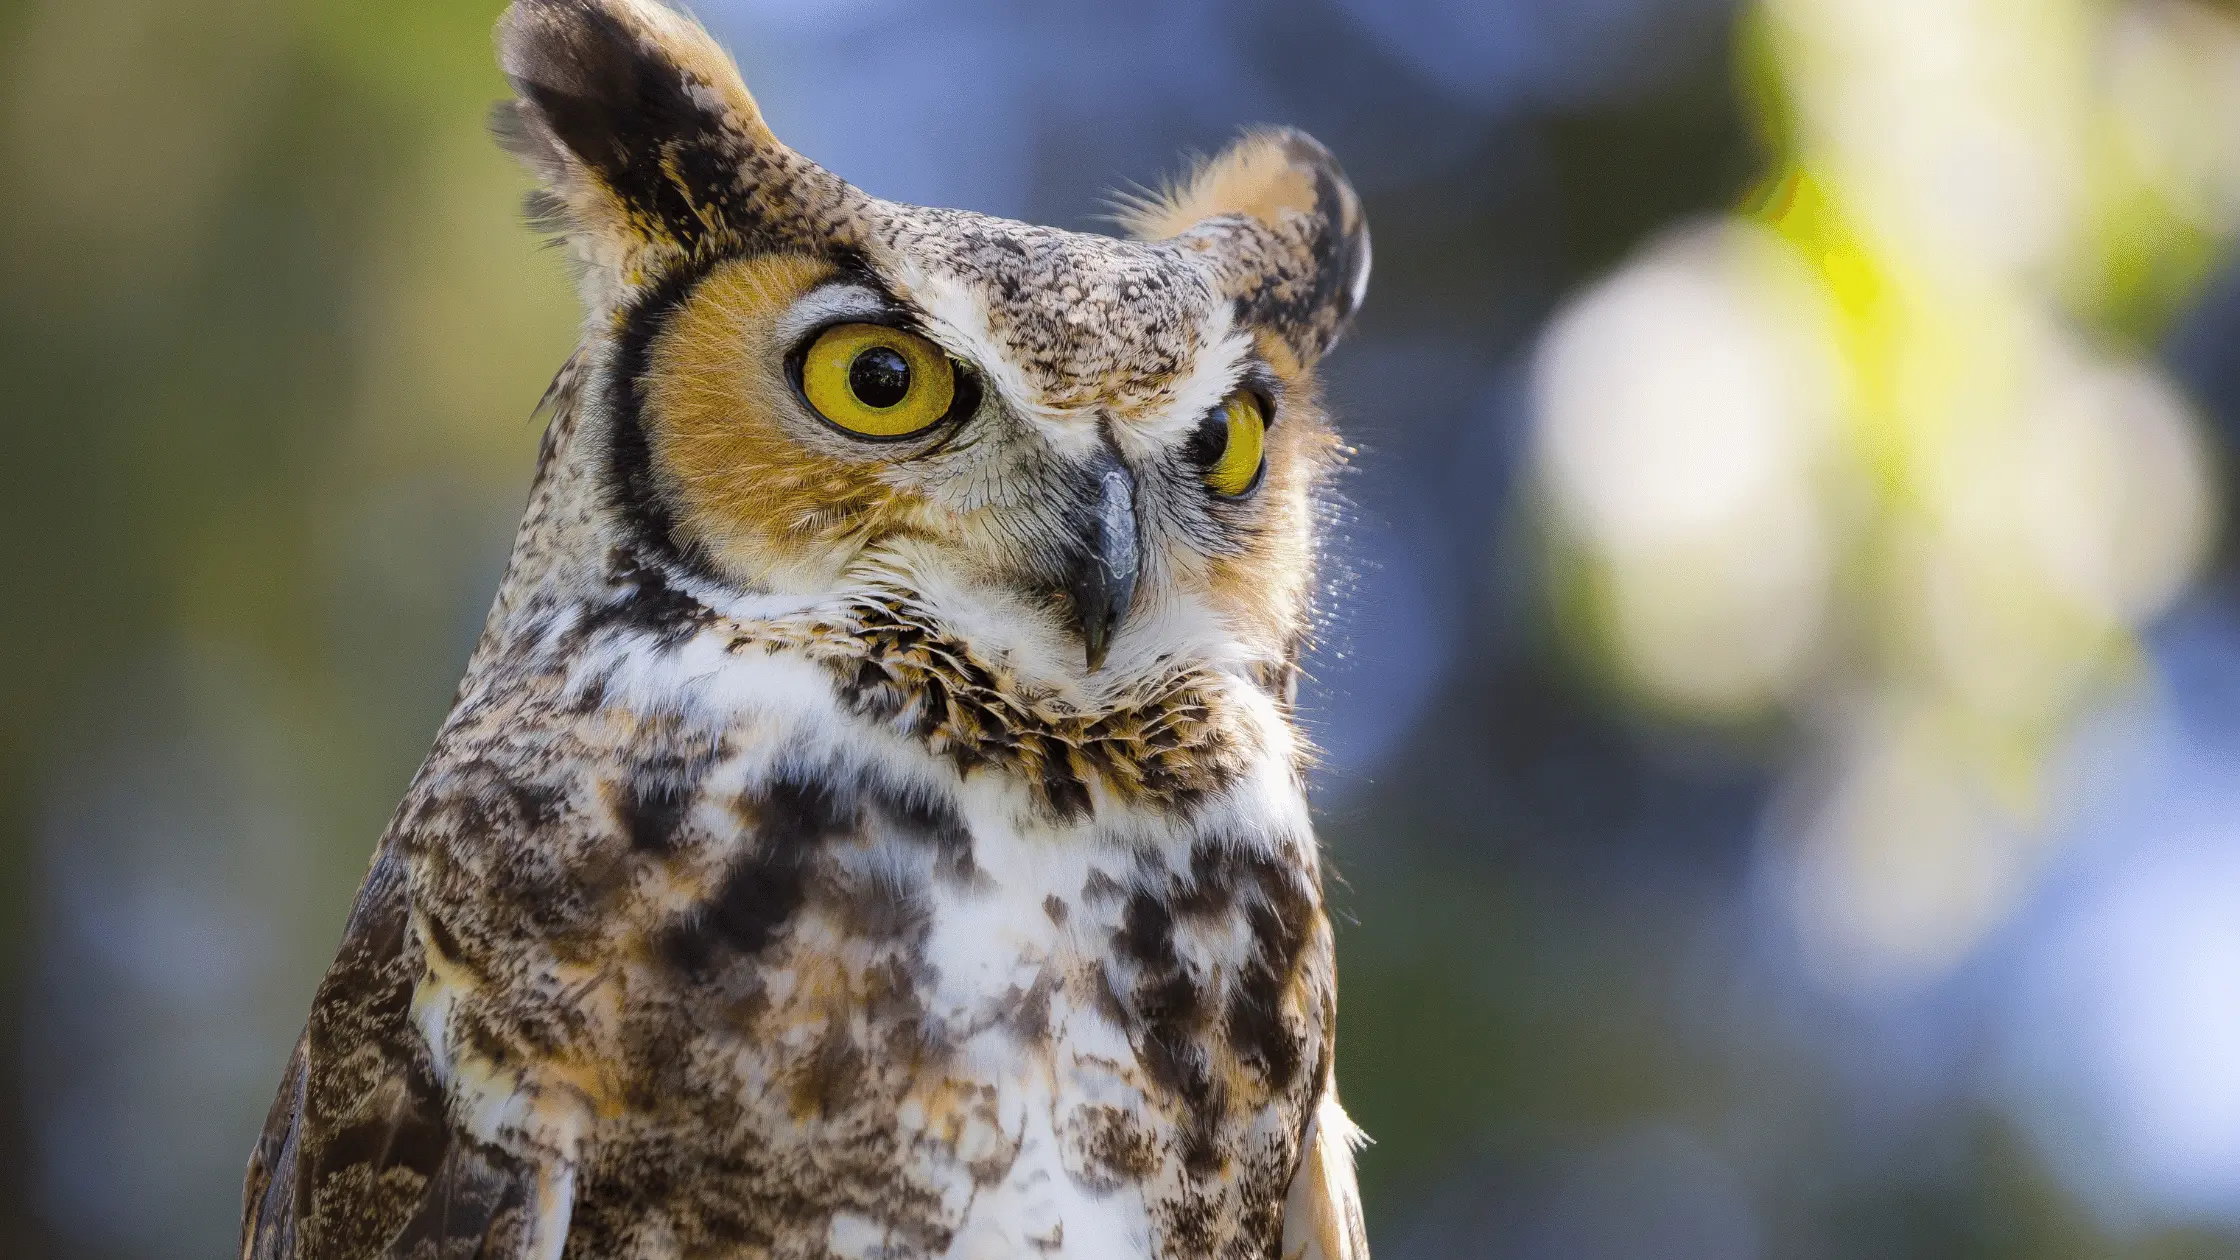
1103	583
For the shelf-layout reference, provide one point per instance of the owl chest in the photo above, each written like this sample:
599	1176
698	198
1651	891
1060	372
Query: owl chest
812	994
1013	1044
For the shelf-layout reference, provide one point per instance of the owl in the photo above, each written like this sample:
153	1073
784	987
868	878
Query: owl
872	823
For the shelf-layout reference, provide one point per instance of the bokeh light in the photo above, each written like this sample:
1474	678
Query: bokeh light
1868	458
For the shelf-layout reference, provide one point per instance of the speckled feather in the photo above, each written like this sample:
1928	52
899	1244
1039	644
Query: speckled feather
781	883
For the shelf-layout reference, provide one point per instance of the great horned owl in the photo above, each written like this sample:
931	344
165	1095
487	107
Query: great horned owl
871	824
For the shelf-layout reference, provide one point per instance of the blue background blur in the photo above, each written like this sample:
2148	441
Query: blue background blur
270	331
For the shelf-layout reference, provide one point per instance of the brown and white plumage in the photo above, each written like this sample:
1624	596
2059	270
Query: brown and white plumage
852	847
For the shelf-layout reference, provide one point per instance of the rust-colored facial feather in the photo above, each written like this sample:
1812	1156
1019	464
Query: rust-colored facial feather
761	502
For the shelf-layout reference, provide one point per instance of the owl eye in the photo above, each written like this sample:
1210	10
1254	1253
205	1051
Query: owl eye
877	382
1231	445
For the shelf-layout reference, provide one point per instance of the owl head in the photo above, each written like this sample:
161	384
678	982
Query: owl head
1089	456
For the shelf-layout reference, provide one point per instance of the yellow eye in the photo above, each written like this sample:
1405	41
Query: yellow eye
1232	447
876	381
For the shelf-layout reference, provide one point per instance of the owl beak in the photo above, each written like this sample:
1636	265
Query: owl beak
1104	575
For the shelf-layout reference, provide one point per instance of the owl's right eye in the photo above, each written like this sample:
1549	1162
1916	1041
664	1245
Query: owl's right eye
877	382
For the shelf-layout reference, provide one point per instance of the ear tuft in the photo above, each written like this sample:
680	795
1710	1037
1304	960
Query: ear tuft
1286	226
1259	175
649	145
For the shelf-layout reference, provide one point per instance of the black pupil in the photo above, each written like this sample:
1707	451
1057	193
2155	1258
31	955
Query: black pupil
1211	440
880	377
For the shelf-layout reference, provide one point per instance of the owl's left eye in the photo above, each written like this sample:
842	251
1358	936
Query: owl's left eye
878	382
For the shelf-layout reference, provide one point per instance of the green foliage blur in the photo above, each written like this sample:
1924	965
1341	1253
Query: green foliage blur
271	328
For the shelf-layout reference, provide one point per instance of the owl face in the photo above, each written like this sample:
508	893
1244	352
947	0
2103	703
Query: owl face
1087	450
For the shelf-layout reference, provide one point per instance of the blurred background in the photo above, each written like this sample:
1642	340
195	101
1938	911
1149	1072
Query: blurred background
1781	684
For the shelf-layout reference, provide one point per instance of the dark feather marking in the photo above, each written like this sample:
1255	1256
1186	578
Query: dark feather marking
646	600
1171	1009
659	793
400	1127
1029	1016
443	940
477	1205
763	889
1281	922
633	486
1190	1226
881	908
1168	1007
931	820
1117	1149
828	1080
593	696
491	799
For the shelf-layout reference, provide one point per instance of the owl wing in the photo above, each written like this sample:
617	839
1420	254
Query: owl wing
1322	1214
359	1158
269	1191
